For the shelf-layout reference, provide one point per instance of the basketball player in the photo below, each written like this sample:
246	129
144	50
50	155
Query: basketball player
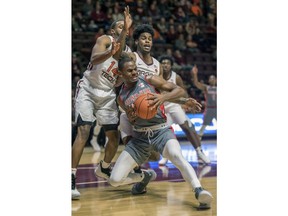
95	97
151	135
146	65
210	92
175	113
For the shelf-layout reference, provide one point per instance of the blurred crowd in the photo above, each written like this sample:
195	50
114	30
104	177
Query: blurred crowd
185	30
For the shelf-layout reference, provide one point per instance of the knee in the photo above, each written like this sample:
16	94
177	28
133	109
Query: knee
114	181
177	160
83	133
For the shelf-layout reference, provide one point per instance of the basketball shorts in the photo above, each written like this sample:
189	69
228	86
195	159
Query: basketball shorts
175	114
92	103
209	114
139	148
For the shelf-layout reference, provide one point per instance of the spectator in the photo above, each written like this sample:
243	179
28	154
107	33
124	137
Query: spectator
196	9
179	58
162	26
87	8
171	35
191	45
180	43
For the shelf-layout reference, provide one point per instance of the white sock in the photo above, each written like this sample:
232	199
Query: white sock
105	165
74	170
198	149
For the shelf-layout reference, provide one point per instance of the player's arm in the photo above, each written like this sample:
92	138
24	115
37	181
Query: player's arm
130	111
100	52
180	83
195	79
122	37
161	71
173	93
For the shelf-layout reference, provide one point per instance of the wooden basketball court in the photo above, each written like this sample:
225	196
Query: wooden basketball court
167	195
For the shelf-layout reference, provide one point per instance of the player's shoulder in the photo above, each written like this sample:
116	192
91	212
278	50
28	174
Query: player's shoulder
105	38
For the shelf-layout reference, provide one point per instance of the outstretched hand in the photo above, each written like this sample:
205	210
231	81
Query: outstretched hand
127	18
194	69
191	105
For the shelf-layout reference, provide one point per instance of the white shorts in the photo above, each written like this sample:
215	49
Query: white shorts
92	103
125	126
175	114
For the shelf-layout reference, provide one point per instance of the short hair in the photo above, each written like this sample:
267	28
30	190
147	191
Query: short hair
166	57
113	25
122	60
141	29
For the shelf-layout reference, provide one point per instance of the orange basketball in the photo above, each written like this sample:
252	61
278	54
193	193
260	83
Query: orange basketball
142	108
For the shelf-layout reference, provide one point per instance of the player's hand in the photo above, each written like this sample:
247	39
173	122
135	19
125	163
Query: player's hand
155	100
115	47
127	19
194	69
191	105
131	114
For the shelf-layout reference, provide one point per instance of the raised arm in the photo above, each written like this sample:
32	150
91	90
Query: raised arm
100	52
195	79
122	37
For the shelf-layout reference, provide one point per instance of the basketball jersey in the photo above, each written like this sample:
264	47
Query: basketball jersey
145	69
173	80
104	75
128	97
211	97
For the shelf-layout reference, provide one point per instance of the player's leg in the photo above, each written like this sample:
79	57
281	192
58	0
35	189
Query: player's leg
84	120
172	151
94	143
192	136
107	117
122	175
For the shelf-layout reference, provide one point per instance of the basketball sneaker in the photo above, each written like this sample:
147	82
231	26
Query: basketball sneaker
202	158
204	198
163	161
140	187
75	192
102	172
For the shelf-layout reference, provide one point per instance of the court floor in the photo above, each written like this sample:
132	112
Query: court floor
168	194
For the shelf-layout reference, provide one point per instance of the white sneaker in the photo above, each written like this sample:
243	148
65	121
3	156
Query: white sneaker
202	158
163	161
204	197
95	144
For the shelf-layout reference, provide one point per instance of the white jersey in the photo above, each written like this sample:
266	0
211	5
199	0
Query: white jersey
174	112
104	75
173	80
145	69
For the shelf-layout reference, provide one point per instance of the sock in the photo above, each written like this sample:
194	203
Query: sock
74	170
198	149
105	165
137	170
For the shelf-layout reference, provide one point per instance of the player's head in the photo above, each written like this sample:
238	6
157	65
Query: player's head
143	36
116	28
166	63
127	69
212	80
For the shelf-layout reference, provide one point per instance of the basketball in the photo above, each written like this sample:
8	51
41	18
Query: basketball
142	108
